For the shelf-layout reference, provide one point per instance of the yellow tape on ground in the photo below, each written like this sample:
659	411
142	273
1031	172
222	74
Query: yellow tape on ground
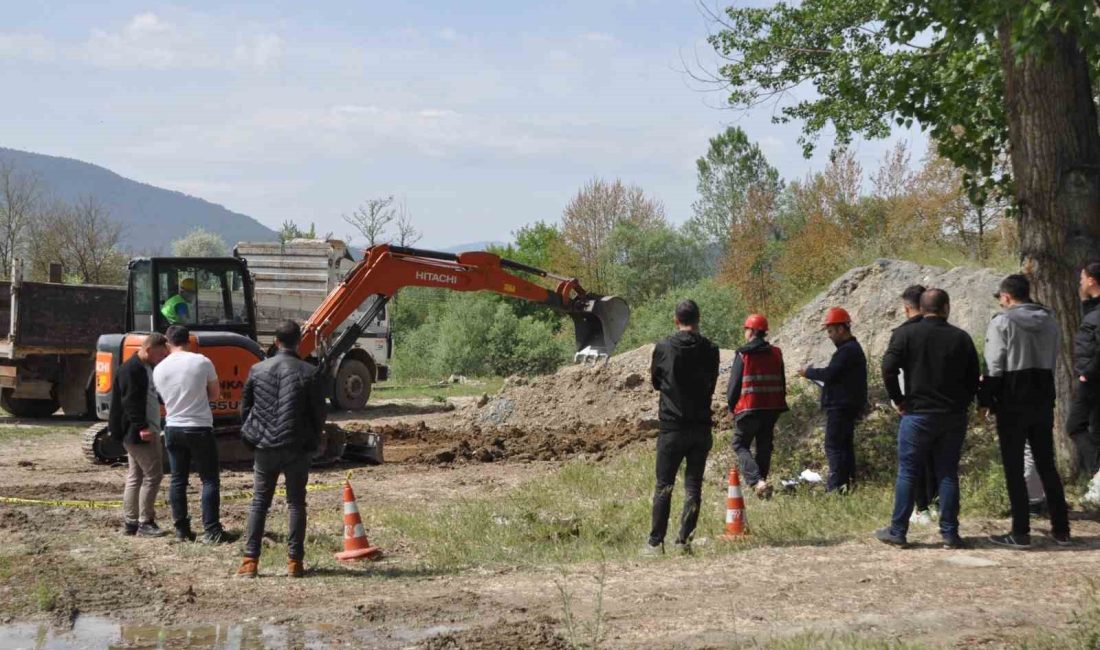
93	503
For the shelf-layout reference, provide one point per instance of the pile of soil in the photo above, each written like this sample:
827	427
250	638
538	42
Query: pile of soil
538	634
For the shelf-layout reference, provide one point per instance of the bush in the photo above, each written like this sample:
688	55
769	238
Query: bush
722	315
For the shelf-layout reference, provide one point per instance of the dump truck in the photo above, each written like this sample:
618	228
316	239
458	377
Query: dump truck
48	334
291	280
222	318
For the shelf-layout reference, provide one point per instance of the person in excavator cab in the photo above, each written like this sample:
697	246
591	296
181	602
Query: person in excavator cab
177	309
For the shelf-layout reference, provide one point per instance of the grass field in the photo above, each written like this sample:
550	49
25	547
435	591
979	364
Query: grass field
420	389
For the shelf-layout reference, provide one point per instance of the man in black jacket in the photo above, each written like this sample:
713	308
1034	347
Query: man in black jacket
940	365
685	371
283	410
843	397
1083	422
135	422
1021	350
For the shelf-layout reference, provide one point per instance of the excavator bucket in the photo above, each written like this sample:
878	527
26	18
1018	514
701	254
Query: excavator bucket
599	325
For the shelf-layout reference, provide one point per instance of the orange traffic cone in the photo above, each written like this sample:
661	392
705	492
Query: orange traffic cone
356	546
737	522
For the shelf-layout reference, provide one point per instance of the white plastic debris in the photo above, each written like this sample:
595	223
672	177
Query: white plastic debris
810	476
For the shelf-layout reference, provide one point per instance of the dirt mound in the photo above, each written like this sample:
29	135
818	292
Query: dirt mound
536	635
606	397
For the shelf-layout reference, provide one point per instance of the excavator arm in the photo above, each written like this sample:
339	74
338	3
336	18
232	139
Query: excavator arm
599	321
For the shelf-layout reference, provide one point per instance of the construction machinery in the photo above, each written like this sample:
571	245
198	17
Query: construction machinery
222	318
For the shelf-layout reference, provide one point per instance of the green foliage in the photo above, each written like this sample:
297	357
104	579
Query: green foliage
720	308
200	243
645	262
290	230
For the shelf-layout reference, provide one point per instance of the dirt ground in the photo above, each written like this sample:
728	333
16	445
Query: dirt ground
977	598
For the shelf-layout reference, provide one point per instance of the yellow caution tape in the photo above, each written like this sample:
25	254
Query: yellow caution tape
93	503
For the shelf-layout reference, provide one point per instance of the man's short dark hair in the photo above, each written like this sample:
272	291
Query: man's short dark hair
288	334
911	295
154	340
934	302
687	313
1017	286
1092	269
178	335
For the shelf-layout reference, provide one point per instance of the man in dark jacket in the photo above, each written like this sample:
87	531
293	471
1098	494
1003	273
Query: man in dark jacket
685	371
283	410
940	365
929	487
1021	350
756	395
843	397
135	422
1083	423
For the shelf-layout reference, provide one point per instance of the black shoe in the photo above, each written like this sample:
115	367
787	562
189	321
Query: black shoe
885	536
185	535
1011	540
129	529
220	536
150	530
1037	508
683	548
1062	539
954	543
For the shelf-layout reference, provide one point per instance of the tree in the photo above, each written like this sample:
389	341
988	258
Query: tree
290	230
372	219
643	263
20	196
83	237
732	168
591	215
407	234
200	243
987	78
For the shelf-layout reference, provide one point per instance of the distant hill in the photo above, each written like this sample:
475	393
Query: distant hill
154	217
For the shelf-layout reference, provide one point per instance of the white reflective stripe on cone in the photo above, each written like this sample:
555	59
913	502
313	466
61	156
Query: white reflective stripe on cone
350	508
360	531
729	516
734	492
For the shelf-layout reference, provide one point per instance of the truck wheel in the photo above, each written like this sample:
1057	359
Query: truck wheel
352	388
27	408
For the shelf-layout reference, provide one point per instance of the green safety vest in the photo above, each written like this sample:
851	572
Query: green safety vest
169	309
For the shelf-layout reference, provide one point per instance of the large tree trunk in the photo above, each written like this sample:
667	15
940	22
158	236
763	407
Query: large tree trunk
1055	147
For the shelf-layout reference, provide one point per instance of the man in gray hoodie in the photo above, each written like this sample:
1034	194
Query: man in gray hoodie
1021	348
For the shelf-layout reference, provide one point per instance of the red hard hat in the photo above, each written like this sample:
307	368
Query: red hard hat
756	322
836	316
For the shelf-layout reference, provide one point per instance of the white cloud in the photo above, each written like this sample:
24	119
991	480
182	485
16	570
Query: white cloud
260	51
27	47
598	37
448	34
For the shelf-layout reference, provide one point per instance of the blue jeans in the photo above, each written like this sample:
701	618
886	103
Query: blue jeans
193	448
921	436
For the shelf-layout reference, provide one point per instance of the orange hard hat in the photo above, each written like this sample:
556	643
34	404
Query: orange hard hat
756	322
836	316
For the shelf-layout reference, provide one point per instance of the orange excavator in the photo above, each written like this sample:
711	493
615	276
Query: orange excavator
219	311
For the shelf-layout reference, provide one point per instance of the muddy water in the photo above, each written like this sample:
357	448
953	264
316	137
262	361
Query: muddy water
94	633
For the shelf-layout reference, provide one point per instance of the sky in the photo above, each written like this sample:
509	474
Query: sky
482	116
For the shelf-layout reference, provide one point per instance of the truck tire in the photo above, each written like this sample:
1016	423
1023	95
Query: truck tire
352	388
98	446
27	408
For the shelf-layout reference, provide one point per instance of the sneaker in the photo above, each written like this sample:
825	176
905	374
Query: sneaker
650	550
185	535
219	536
1062	539
249	567
763	490
295	569
150	529
129	529
1012	540
1037	508
885	536
920	518
683	548
954	543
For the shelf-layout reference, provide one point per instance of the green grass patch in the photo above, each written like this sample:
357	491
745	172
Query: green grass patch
425	390
12	432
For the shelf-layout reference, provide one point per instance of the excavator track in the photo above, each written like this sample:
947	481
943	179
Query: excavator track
99	448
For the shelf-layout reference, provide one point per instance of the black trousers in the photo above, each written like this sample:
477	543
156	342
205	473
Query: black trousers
840	434
1035	427
1083	427
293	463
673	448
758	426
930	487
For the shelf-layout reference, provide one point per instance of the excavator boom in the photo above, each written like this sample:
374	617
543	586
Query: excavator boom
599	321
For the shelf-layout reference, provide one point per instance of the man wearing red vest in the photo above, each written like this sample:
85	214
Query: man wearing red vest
757	394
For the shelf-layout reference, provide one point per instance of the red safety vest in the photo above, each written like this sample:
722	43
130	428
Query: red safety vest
762	386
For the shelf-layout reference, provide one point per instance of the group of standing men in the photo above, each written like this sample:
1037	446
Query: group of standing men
932	376
283	412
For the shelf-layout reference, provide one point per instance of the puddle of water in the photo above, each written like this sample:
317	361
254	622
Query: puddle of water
95	633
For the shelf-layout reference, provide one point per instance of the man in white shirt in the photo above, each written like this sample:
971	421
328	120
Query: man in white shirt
186	383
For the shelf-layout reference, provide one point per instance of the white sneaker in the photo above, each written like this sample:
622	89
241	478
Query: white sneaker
920	518
1092	497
